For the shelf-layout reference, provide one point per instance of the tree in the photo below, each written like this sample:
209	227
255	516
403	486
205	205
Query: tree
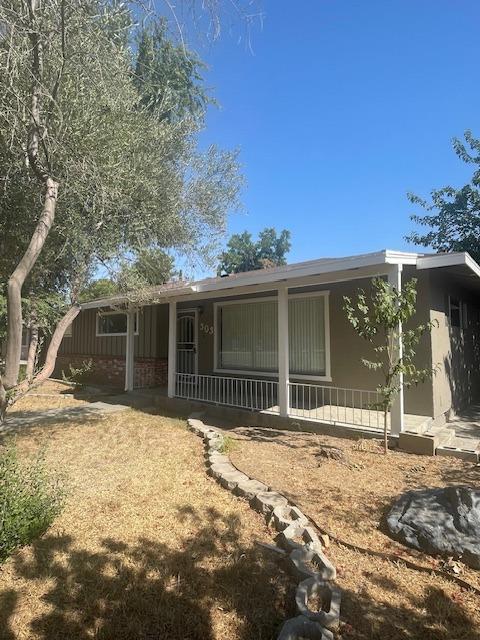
92	168
380	318
454	214
98	288
243	254
151	266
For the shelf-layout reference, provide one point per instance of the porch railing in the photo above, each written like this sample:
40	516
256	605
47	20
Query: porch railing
245	393
356	407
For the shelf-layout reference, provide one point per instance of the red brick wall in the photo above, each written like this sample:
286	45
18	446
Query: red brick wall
110	370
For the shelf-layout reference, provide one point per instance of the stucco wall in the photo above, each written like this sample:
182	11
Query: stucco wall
455	351
346	348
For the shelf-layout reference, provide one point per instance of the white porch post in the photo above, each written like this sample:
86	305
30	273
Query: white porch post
397	412
283	363
130	349
172	348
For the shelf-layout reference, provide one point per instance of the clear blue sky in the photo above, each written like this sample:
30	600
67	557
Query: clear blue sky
343	107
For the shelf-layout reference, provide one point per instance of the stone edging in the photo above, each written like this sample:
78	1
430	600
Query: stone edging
297	540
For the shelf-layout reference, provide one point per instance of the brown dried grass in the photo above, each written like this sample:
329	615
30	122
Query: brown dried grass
148	547
382	599
49	395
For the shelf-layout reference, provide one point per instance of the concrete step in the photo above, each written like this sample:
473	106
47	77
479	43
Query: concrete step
463	448
426	442
443	435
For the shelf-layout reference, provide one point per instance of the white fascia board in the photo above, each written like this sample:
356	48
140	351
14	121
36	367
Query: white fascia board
401	257
296	271
449	260
113	302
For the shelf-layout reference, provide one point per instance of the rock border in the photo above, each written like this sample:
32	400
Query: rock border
296	539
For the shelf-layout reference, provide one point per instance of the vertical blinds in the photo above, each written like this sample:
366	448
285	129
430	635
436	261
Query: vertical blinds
249	336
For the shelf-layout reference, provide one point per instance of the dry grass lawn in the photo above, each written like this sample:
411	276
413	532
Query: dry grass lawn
149	547
382	599
49	395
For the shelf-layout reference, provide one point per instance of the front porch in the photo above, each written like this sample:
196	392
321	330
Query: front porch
306	402
274	349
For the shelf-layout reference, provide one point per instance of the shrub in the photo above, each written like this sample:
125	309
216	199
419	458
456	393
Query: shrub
30	499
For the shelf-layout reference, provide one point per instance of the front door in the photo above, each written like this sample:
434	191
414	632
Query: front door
187	361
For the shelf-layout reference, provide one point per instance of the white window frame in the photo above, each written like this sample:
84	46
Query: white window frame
274	374
112	313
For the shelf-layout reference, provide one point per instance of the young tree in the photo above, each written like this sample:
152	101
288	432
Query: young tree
243	254
92	168
453	217
381	318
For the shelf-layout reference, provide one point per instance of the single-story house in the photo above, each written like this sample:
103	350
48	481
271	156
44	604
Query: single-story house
277	340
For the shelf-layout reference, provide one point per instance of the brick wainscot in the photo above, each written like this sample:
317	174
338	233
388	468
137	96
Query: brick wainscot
110	370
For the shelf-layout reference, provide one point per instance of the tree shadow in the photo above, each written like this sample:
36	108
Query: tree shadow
432	615
149	590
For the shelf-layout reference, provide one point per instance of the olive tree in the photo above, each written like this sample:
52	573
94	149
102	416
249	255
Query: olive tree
92	166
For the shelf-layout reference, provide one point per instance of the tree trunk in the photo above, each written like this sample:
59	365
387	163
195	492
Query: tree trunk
15	284
32	353
21	390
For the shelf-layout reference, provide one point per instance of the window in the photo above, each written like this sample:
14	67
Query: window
247	335
306	335
114	323
457	313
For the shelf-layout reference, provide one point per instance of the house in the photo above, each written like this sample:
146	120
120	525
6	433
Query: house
278	341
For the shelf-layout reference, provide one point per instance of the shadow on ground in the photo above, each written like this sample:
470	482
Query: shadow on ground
433	616
149	590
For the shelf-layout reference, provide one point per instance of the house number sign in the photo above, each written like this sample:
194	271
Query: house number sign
206	328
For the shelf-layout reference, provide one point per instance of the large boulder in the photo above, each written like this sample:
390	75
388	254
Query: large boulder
439	521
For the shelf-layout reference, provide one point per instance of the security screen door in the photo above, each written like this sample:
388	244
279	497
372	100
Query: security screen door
187	342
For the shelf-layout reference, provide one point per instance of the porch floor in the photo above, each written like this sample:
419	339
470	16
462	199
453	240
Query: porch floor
369	418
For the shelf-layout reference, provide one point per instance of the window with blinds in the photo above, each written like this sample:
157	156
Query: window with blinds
248	336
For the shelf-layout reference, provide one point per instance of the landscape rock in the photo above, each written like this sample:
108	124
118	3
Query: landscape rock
443	521
232	479
282	517
266	501
301	628
249	489
310	562
330	595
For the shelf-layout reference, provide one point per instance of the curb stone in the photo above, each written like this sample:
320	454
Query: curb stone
301	628
330	617
290	523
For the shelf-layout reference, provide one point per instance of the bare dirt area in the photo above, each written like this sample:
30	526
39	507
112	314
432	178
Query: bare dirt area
350	497
148	546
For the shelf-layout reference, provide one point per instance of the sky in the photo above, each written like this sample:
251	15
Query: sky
341	109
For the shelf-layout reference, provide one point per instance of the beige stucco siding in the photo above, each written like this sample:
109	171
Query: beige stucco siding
346	348
455	351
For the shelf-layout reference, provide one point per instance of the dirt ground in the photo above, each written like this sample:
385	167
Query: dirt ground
148	546
381	599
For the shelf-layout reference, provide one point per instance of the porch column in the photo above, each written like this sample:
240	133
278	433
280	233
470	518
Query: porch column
130	350
283	363
172	348
397	412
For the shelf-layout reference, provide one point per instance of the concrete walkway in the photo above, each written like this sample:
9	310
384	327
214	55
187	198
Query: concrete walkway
30	418
467	422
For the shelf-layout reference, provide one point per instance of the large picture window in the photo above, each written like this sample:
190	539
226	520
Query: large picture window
247	336
113	323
